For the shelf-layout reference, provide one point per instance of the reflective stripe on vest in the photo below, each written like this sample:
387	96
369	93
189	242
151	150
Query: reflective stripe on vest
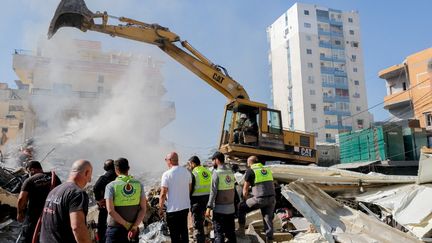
127	191
202	181
262	174
225	193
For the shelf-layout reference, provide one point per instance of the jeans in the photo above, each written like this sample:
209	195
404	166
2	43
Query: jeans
223	226
198	207
267	205
28	228
117	234
177	224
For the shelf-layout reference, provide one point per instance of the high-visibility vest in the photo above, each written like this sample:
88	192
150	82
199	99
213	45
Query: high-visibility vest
262	174
263	184
202	181
127	191
225	193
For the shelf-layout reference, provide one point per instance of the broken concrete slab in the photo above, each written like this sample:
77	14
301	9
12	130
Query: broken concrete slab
425	166
337	222
409	206
8	198
308	238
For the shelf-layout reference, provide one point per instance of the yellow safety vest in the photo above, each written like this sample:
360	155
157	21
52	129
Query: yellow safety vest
127	191
226	180
203	181
262	174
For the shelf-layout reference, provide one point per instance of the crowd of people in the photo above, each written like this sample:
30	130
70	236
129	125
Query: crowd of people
52	211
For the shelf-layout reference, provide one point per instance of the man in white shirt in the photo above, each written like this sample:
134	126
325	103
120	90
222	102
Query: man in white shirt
175	190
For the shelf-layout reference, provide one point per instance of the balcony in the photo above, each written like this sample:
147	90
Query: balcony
338	127
335	85
331	59
337	112
323	32
335	22
327	70
325	44
323	19
337	98
340	73
330	140
397	100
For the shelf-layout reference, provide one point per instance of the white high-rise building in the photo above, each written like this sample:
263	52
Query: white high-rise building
317	71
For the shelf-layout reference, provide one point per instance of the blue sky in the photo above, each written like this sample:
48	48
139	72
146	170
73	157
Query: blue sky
231	34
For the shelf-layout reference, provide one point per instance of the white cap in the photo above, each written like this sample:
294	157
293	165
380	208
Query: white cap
243	116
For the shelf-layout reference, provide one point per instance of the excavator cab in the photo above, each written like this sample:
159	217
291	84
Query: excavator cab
253	128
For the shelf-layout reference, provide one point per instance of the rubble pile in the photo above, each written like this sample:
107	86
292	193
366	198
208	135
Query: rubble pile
314	204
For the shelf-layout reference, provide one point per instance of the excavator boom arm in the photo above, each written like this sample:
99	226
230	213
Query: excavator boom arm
74	13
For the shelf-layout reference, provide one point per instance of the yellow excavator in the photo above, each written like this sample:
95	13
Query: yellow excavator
248	128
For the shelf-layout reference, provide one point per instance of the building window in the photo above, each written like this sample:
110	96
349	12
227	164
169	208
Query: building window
350	20
356	95
360	123
356	82
310	79
428	119
328	135
308	38
358	108
313	107
314	120
309	51
404	86
355	70
353	58
101	79
304	141
312	92
306	12
5	129
310	65
307	25
337	42
351	32
286	31
327	122
355	44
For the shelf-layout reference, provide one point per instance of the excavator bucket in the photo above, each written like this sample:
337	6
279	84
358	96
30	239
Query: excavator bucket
71	13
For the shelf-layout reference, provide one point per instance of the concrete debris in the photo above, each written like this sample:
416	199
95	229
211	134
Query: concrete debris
154	233
339	223
308	238
425	167
408	205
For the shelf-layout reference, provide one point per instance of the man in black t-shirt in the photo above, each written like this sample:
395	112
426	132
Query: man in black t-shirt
99	192
66	207
32	197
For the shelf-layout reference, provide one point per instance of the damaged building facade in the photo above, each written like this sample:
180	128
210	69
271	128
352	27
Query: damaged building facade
79	80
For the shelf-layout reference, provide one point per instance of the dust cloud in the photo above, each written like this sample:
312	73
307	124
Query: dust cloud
123	122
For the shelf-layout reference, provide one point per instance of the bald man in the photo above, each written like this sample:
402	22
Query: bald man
66	207
176	184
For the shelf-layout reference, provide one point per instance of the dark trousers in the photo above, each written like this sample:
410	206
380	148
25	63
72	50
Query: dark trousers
198	207
118	234
102	224
28	228
177	224
267	205
223	226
